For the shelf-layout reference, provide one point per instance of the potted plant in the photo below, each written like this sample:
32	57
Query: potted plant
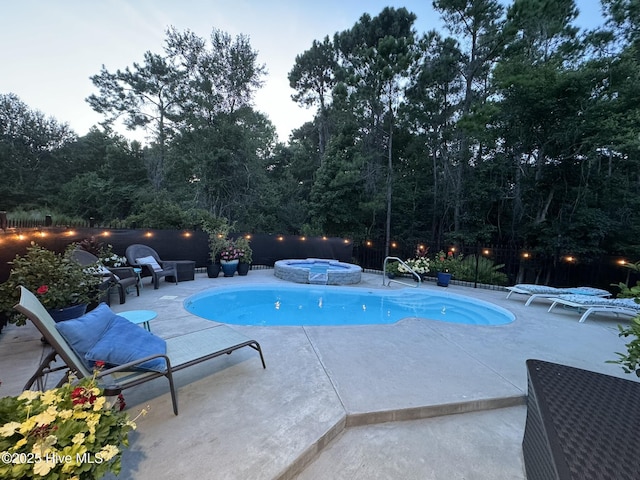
229	258
72	431
246	255
419	265
63	286
443	265
218	231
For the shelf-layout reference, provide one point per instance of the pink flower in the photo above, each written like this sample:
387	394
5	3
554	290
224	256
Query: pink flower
42	289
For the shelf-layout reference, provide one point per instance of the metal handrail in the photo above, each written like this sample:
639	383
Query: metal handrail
384	274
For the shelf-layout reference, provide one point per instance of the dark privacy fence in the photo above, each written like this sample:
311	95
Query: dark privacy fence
170	244
520	265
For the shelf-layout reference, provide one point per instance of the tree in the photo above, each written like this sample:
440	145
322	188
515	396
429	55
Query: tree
313	77
374	56
30	159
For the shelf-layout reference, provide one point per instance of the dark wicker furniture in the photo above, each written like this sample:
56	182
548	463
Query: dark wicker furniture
580	425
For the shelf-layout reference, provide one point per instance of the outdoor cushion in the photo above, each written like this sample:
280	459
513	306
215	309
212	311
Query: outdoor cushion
125	342
149	261
83	332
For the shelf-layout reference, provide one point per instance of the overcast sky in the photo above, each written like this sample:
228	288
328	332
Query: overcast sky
50	48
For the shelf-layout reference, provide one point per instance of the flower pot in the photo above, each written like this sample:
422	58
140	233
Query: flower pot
229	267
67	313
213	270
443	279
243	268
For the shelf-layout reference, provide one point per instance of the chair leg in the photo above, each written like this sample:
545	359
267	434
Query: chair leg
122	293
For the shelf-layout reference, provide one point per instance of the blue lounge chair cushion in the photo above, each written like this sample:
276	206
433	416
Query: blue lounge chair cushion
83	332
101	335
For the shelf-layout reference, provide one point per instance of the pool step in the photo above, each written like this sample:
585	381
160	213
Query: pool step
318	278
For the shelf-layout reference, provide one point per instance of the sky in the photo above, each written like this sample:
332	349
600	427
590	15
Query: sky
51	48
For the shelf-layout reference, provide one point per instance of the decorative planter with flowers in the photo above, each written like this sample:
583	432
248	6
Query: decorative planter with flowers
56	279
229	259
70	432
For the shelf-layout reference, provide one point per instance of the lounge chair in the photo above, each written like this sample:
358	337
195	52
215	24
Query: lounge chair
544	291
181	351
589	305
147	259
120	277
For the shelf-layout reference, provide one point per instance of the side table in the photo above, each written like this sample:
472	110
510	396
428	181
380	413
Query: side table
185	270
139	317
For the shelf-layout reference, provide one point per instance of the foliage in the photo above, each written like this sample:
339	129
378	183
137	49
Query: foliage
448	263
484	270
246	253
231	252
110	259
630	360
218	230
105	254
510	124
420	265
69	432
56	279
393	268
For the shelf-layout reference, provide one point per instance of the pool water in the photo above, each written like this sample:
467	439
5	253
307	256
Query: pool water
267	305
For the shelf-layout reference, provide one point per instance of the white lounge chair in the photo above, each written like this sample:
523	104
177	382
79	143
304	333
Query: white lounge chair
590	304
544	291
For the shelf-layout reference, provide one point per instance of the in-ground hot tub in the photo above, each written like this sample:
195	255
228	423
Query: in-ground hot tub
318	271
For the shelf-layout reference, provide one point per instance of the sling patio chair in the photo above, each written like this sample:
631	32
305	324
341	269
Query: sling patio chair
132	355
544	291
588	305
148	260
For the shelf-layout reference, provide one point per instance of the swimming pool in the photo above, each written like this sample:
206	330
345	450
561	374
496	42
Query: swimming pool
295	305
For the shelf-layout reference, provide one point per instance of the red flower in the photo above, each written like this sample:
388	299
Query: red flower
99	363
42	289
120	402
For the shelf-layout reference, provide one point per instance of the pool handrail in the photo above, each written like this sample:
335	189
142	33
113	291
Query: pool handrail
384	274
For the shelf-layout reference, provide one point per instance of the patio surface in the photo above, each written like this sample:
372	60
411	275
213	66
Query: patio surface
418	399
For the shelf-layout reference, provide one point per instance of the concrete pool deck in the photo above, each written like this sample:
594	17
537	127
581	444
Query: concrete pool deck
418	399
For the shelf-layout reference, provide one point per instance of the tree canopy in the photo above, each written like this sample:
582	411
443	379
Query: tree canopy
510	126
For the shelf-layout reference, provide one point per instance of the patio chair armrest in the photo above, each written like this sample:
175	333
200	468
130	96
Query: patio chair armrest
123	272
134	363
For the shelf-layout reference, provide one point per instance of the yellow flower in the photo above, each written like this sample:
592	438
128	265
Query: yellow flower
43	467
108	452
9	429
78	438
45	418
19	444
50	397
65	414
29	395
99	403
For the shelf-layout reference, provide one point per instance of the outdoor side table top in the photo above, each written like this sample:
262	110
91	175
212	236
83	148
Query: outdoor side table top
139	317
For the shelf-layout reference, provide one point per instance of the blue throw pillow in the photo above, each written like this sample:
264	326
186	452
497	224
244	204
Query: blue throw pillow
83	332
124	342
